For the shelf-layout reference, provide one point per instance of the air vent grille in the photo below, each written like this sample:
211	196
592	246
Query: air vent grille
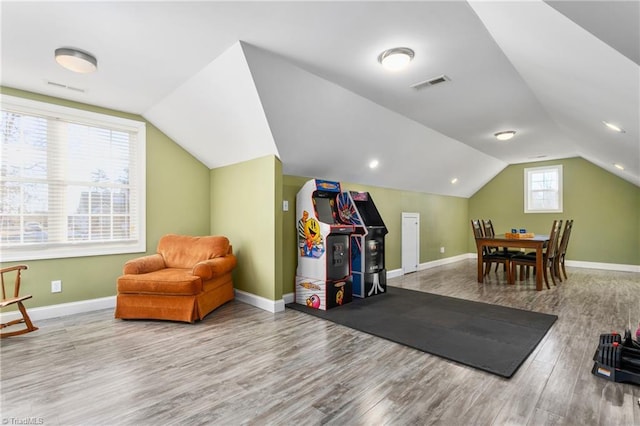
64	86
431	82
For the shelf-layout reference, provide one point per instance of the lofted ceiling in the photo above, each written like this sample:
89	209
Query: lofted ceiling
232	81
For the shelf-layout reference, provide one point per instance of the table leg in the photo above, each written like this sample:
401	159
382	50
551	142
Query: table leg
480	262
539	271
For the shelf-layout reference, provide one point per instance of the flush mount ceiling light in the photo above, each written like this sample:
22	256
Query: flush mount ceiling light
373	164
613	127
396	59
454	181
505	136
76	60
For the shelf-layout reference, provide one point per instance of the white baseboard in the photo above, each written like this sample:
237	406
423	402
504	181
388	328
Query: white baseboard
605	266
395	273
289	298
445	261
82	306
62	309
272	306
590	265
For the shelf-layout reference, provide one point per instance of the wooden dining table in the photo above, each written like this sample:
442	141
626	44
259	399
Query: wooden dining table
538	242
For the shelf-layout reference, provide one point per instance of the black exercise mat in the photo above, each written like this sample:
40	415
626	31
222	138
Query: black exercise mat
492	338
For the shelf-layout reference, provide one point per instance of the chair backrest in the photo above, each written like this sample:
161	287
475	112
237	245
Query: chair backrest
564	242
552	248
477	228
16	285
487	226
184	251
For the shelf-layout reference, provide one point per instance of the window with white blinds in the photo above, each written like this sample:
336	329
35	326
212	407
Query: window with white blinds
72	182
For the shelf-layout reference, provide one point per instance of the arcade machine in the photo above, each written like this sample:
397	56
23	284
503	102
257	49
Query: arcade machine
367	243
323	276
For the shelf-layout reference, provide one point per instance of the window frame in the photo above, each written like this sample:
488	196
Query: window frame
528	191
38	251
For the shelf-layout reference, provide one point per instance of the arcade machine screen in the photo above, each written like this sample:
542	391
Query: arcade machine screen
324	208
369	213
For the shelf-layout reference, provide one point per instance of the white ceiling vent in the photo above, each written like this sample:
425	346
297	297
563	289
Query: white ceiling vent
431	82
64	86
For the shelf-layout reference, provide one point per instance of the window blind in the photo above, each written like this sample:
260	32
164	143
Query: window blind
72	183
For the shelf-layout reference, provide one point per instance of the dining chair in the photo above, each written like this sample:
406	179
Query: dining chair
548	260
490	257
17	300
562	249
489	231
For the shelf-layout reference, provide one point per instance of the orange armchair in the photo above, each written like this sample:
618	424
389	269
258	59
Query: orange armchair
185	280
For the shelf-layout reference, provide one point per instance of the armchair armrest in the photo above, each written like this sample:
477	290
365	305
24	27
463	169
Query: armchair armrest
144	264
210	268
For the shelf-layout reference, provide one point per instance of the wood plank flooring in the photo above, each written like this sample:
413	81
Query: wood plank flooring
242	365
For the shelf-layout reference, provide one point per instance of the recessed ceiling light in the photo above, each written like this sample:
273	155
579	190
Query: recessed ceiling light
618	166
454	180
505	136
373	164
76	60
396	59
613	127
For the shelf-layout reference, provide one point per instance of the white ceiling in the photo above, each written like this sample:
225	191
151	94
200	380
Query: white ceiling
230	81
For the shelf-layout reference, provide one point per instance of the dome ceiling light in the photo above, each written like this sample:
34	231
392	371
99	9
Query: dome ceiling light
506	135
76	60
396	59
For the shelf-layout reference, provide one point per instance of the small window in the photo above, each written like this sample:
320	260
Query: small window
72	182
543	189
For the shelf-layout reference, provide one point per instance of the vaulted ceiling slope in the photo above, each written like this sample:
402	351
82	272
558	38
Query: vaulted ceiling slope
231	81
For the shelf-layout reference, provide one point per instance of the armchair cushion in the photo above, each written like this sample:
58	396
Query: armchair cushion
183	251
144	264
207	269
165	281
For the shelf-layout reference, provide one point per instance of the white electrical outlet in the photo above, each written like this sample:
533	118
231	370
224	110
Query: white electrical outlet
285	205
56	286
441	249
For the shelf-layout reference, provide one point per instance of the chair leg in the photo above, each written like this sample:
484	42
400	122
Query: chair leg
25	319
552	271
556	269
522	270
564	271
546	280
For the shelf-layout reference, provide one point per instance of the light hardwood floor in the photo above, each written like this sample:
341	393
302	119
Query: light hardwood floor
242	365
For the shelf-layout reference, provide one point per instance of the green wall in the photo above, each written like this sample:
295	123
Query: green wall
177	202
244	202
443	223
246	206
605	209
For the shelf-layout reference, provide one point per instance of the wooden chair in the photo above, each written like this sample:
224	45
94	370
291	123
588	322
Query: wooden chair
490	257
549	257
15	299
487	226
562	249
